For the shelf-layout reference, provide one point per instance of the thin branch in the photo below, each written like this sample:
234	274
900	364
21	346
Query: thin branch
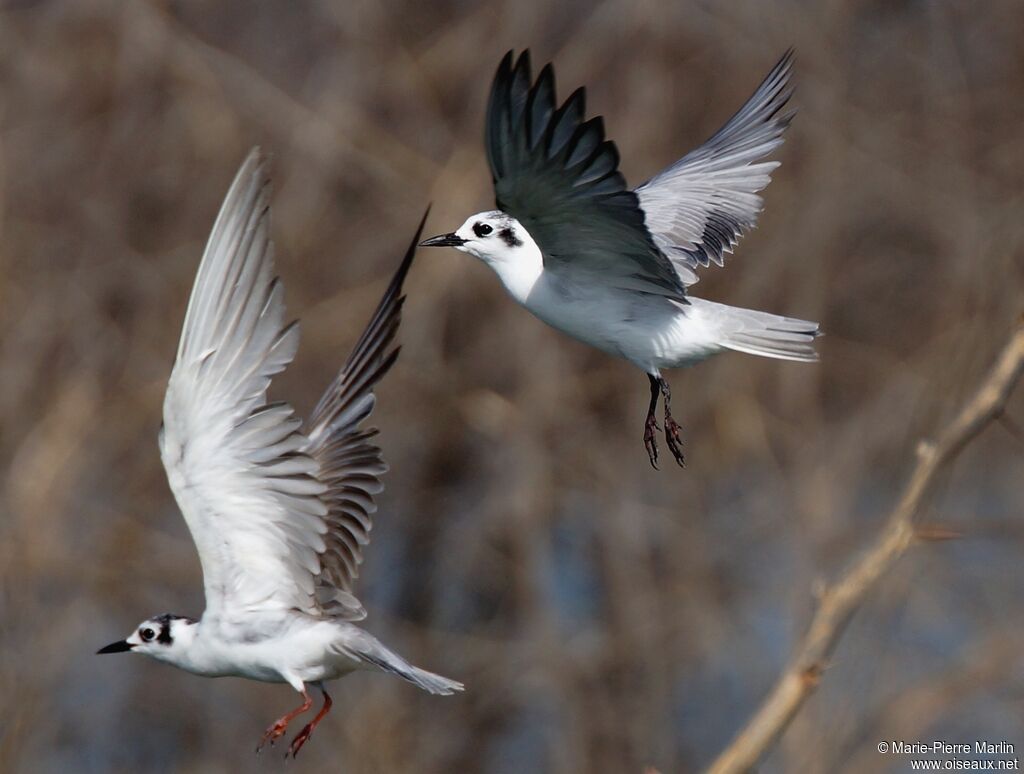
841	600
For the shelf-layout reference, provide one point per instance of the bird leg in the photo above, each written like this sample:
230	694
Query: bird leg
672	435
651	424
307	731
281	724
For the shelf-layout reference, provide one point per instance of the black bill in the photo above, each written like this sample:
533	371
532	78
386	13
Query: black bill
443	240
116	647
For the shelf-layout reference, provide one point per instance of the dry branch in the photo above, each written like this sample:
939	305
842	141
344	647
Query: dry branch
841	600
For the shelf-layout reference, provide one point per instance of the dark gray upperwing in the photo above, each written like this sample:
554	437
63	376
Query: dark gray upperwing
558	176
350	465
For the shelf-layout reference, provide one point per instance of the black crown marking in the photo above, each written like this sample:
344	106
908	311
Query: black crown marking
164	638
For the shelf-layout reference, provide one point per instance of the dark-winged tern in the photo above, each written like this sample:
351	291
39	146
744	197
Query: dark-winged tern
611	266
280	515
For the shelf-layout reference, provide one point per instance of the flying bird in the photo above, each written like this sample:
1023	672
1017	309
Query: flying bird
612	266
280	513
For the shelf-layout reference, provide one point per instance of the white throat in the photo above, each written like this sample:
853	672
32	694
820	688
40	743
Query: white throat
183	649
519	268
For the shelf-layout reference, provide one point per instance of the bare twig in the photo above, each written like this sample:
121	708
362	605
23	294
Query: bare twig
841	600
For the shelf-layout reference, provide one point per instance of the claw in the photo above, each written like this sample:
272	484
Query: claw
307	731
674	440
651	439
276	731
272	734
300	739
672	435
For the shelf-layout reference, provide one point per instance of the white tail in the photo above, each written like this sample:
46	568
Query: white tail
768	335
373	652
430	682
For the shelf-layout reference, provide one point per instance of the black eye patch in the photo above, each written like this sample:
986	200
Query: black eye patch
482	229
509	237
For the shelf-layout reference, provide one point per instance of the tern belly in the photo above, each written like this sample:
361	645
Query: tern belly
650	331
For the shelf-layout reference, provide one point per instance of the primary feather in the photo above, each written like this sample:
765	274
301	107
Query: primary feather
698	208
558	176
279	518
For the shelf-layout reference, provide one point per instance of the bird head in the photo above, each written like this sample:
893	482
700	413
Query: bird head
494	237
500	241
163	637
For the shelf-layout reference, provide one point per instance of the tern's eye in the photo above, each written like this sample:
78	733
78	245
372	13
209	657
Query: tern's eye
147	634
482	229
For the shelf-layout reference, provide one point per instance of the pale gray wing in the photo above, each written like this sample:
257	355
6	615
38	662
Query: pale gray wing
558	176
698	208
349	464
236	465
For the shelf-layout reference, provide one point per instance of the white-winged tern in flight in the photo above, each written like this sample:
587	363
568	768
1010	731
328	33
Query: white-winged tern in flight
280	513
612	266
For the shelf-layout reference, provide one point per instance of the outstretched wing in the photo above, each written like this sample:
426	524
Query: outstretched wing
558	176
250	485
349	464
248	493
698	208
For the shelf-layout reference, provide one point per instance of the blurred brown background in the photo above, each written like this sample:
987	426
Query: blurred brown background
604	617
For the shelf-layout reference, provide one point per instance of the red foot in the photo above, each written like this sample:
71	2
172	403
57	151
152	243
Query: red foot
275	731
272	734
307	731
299	740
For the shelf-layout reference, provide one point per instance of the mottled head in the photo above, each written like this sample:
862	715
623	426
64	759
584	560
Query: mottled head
164	637
503	243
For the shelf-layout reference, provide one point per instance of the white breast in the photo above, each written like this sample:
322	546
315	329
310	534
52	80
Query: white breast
650	331
299	647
